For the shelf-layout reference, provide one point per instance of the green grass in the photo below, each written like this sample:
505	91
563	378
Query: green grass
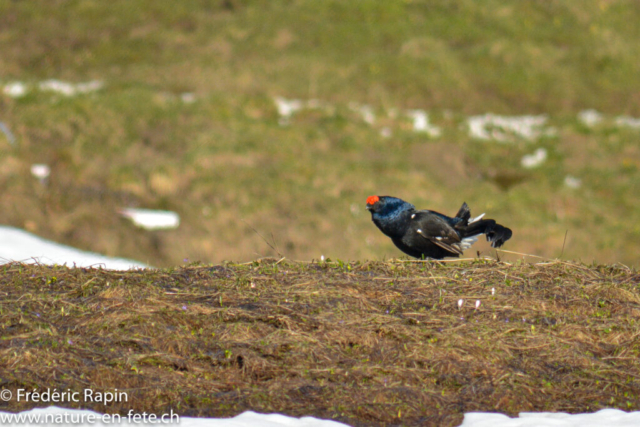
365	343
224	163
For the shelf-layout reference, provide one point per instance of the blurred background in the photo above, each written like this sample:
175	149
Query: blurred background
268	123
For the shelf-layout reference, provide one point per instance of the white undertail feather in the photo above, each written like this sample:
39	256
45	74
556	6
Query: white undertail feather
467	242
478	218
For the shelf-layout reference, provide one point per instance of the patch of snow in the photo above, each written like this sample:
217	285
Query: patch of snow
40	171
421	123
365	111
150	219
503	128
70	89
53	415
534	160
604	417
250	418
19	245
572	182
626	121
58	86
286	108
15	89
590	118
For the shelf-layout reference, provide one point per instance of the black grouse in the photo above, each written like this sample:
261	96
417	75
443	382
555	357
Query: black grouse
429	234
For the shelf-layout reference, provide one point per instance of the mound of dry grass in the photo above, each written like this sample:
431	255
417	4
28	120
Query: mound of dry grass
365	343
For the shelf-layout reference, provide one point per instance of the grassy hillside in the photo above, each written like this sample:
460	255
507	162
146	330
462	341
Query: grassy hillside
364	343
186	120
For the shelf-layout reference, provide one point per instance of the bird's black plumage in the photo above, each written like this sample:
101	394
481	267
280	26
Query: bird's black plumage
429	234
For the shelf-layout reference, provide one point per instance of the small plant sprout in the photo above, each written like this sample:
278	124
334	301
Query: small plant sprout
477	304
460	302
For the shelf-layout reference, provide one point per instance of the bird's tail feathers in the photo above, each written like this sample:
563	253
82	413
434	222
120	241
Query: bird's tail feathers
496	234
478	218
464	213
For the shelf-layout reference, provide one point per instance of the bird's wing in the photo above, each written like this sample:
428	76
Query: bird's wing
435	228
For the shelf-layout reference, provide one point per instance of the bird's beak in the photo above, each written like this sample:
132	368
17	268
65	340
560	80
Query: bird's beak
369	207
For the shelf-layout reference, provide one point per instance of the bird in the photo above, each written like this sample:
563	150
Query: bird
429	234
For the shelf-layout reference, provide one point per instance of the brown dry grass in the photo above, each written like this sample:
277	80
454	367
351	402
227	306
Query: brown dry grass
367	343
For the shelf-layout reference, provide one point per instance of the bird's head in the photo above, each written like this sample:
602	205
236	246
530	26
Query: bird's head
383	206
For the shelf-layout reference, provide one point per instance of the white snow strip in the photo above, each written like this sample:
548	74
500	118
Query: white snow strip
534	160
504	128
626	121
590	118
604	417
15	89
70	89
421	123
56	416
151	219
19	245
